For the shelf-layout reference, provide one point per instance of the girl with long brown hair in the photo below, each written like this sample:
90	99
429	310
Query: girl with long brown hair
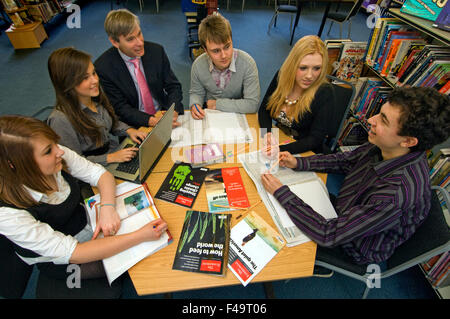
41	219
299	97
83	116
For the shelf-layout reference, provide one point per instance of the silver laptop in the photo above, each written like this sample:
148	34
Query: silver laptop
150	151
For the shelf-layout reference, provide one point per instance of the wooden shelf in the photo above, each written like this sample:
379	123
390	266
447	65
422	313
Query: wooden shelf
422	25
28	36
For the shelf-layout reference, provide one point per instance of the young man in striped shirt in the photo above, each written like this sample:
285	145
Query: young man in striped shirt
386	192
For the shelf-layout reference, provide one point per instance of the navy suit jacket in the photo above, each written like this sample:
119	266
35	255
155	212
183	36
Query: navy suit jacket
121	91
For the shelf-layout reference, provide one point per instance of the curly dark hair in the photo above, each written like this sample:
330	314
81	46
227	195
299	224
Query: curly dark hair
425	114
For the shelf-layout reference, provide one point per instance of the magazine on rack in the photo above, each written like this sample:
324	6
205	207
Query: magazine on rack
136	208
253	243
215	127
307	185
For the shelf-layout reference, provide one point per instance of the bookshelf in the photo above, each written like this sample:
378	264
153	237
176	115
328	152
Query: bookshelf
29	18
424	26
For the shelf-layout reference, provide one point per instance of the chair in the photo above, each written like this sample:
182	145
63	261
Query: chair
228	5
193	23
342	17
41	111
285	8
430	239
141	4
344	92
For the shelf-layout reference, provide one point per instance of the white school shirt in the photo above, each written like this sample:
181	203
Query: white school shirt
19	226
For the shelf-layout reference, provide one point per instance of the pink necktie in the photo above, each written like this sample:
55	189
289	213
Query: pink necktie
146	96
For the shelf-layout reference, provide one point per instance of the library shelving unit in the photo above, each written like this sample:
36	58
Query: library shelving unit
29	18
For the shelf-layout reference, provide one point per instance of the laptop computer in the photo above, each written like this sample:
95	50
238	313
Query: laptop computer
150	151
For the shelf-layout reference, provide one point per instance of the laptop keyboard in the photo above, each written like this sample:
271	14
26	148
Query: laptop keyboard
130	167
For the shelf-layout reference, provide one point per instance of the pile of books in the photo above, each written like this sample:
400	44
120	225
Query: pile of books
370	95
43	11
440	171
402	56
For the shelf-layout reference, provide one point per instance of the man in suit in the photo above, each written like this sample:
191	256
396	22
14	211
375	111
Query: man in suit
136	74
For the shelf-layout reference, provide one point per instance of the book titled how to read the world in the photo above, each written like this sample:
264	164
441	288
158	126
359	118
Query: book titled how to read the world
136	208
182	184
203	245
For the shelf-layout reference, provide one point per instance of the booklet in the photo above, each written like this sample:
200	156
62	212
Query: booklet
224	187
135	206
203	245
253	243
182	184
204	155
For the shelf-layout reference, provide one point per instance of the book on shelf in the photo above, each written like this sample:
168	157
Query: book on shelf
182	184
215	127
437	270
402	56
334	47
203	244
378	38
10	5
253	244
425	9
224	187
443	19
353	133
373	38
202	155
136	208
422	61
369	96
307	185
395	39
351	61
439	166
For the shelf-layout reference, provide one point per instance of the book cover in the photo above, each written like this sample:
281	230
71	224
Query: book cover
425	9
136	208
351	61
253	243
204	154
224	187
182	184
203	245
443	19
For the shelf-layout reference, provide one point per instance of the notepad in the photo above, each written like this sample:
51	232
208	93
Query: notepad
215	127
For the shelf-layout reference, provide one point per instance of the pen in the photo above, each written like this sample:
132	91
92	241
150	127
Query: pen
248	209
232	207
195	105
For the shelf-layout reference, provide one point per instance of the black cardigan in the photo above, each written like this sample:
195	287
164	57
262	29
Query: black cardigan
312	128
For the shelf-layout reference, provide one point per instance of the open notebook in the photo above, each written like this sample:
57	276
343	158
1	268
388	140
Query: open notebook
306	185
215	127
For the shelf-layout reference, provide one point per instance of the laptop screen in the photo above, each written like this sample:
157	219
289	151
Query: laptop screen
157	141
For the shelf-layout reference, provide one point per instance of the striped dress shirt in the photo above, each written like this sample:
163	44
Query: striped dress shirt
379	206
